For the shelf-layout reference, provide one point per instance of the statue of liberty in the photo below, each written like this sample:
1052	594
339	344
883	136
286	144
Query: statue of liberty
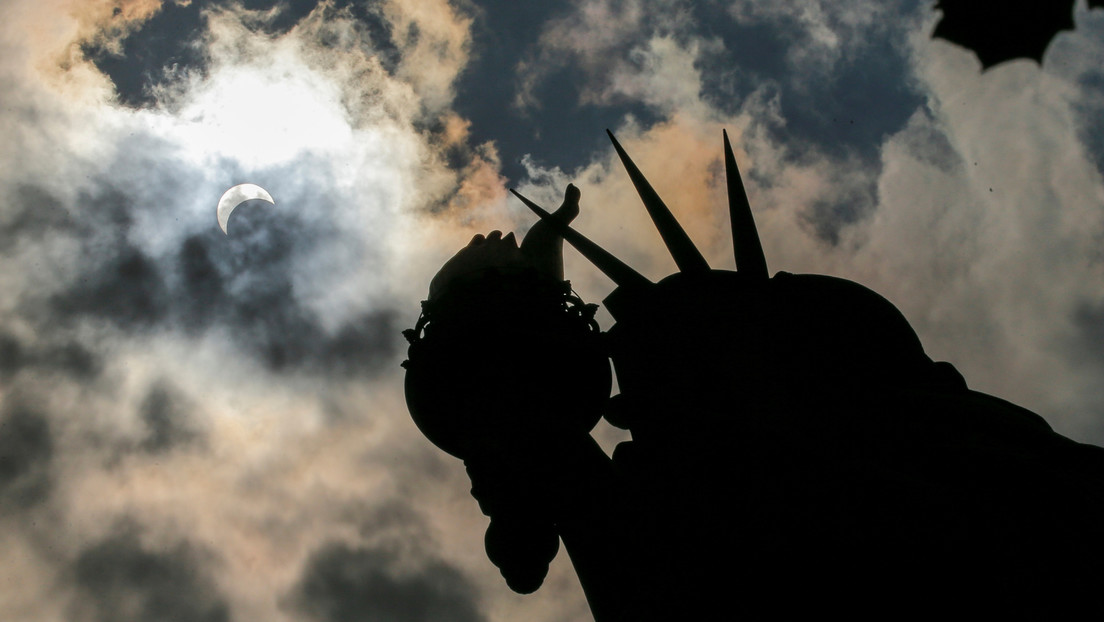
794	450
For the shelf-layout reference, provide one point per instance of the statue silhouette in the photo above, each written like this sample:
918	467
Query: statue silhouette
794	450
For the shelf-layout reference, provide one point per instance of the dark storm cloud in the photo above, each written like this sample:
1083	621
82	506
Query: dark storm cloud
165	413
1087	349
1092	124
244	282
392	575
1088	341
26	449
70	358
120	580
344	583
170	44
12	356
829	218
35	212
127	290
118	281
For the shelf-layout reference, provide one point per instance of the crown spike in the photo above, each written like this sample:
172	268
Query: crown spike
682	249
745	238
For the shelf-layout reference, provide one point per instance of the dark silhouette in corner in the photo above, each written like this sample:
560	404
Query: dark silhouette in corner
794	450
1003	30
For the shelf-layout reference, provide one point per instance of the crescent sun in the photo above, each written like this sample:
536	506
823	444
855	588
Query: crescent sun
235	197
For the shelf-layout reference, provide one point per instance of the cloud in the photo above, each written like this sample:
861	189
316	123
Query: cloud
243	391
106	23
221	389
822	35
604	44
26	452
433	39
983	206
165	414
68	357
962	248
121	580
351	583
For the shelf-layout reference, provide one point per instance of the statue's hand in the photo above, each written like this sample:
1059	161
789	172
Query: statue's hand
543	245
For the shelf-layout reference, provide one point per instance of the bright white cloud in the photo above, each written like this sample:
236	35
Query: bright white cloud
992	246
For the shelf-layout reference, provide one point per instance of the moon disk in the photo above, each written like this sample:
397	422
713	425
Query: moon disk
235	197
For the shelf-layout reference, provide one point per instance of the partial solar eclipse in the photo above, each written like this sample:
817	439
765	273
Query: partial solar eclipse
236	196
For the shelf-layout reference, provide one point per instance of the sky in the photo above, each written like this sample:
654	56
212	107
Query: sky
206	427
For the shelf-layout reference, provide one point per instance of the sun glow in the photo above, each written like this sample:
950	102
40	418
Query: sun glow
262	117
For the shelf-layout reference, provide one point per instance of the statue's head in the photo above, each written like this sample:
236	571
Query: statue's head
504	349
710	341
